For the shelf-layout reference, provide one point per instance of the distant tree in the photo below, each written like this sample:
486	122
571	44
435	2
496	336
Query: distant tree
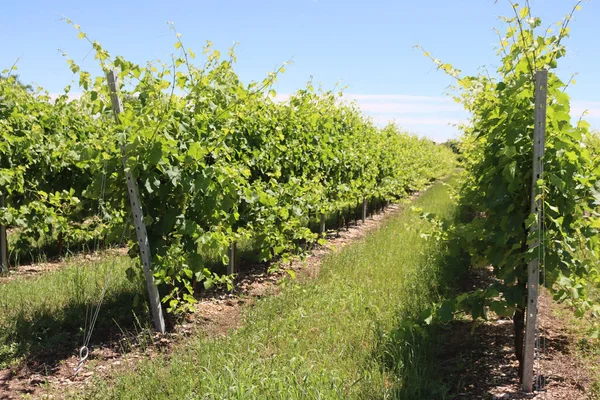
454	145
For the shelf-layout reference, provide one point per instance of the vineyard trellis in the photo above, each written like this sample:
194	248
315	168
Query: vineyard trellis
217	162
514	215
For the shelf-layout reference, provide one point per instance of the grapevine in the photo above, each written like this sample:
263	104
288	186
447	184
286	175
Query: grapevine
497	152
216	161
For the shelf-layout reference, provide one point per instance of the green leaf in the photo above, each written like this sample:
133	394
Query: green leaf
196	151
155	154
524	12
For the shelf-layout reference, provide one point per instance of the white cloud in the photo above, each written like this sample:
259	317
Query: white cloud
591	109
434	117
429	121
415	121
407	108
430	116
398	97
282	97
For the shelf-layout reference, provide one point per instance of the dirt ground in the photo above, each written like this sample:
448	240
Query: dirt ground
479	362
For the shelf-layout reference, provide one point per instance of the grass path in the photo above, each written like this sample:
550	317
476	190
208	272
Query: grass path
337	336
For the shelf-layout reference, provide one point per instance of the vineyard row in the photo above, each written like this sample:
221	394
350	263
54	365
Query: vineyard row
216	162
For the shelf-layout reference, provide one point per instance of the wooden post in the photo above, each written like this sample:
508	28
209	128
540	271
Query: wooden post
3	242
232	255
533	267
364	210
138	217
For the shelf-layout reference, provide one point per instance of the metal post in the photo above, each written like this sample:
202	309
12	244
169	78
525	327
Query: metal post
533	267
232	255
3	242
138	217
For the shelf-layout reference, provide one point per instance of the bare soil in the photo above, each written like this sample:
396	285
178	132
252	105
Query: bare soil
478	360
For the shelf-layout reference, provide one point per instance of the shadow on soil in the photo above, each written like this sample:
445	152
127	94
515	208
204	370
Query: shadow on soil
50	336
472	361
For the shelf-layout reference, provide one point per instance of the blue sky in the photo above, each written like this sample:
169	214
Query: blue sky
364	45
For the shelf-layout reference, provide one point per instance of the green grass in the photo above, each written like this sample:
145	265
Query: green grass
42	318
345	334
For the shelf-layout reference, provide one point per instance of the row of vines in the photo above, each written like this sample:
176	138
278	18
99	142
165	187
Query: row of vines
497	154
216	161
